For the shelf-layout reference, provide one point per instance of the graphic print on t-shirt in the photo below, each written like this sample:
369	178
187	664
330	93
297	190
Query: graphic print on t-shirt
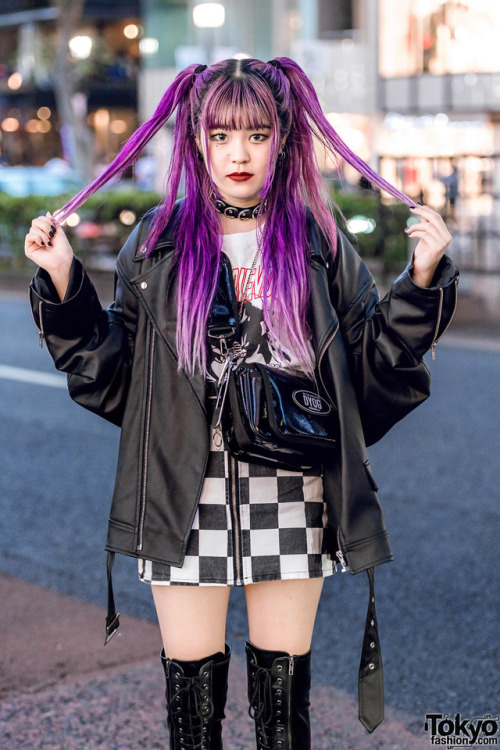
255	342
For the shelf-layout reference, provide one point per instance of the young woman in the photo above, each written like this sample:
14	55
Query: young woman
199	520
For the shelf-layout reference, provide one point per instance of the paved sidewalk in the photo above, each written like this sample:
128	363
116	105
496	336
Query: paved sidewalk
60	689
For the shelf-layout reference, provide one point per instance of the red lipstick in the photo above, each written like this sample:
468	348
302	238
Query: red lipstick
240	176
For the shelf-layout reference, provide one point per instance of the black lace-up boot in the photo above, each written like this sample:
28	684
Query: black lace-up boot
196	695
278	694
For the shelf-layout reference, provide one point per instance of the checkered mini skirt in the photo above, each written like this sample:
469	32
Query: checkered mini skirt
253	523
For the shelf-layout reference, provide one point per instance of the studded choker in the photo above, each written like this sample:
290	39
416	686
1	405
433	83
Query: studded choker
233	212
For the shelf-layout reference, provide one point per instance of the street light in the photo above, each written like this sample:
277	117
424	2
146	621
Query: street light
209	15
80	47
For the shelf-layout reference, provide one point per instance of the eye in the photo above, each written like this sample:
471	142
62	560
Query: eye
259	137
218	137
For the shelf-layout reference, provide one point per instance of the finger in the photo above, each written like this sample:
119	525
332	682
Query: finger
433	245
53	222
438	233
45	224
427	229
433	217
421	208
36	237
42	237
39	237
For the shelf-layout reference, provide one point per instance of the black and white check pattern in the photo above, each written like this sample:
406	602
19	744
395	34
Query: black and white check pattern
281	517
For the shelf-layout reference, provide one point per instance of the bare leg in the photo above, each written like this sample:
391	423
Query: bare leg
192	619
281	614
193	626
281	617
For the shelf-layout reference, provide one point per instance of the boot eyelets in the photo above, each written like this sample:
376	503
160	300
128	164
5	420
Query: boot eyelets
270	687
195	703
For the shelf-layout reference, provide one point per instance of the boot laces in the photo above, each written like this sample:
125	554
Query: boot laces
261	704
192	703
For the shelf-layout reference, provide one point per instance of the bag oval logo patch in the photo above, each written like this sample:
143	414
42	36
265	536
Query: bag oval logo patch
311	402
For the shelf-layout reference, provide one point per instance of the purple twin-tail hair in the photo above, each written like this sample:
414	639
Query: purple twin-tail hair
175	96
237	94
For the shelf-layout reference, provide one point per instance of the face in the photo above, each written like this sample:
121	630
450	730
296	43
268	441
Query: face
238	160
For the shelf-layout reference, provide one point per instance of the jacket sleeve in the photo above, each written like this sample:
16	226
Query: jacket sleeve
94	346
387	339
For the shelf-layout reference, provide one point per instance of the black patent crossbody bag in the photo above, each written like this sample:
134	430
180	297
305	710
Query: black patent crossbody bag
266	415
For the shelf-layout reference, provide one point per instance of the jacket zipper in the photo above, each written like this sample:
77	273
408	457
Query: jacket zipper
437	338
233	497
436	330
147	430
41	334
291	665
340	555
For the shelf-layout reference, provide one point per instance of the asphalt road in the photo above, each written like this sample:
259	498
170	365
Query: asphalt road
438	603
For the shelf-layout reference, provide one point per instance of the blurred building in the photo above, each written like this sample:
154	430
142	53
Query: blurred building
105	53
413	86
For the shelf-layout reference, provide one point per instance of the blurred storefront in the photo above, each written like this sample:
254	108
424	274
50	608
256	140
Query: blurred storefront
414	87
105	55
440	96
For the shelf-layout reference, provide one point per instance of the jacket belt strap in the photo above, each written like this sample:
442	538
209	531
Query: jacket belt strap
370	681
112	618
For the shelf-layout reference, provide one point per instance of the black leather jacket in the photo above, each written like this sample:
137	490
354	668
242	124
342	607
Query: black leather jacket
122	364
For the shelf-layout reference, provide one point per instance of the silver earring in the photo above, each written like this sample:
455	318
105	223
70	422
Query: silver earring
282	155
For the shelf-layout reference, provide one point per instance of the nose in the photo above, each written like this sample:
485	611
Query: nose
239	152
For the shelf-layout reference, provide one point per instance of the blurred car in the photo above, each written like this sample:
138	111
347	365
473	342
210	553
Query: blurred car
23	181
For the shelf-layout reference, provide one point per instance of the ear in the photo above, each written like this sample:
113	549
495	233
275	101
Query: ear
199	148
283	141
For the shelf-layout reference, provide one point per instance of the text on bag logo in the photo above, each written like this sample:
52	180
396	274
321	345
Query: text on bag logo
311	402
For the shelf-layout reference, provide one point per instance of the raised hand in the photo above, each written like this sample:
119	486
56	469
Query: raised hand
48	247
434	238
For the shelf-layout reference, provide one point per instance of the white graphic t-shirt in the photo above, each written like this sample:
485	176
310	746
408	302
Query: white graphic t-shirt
256	343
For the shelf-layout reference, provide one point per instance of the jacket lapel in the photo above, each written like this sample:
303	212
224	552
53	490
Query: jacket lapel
156	289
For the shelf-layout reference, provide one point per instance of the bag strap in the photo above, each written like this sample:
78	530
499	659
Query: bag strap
223	319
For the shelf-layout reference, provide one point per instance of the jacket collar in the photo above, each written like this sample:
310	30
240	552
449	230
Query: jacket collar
166	239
